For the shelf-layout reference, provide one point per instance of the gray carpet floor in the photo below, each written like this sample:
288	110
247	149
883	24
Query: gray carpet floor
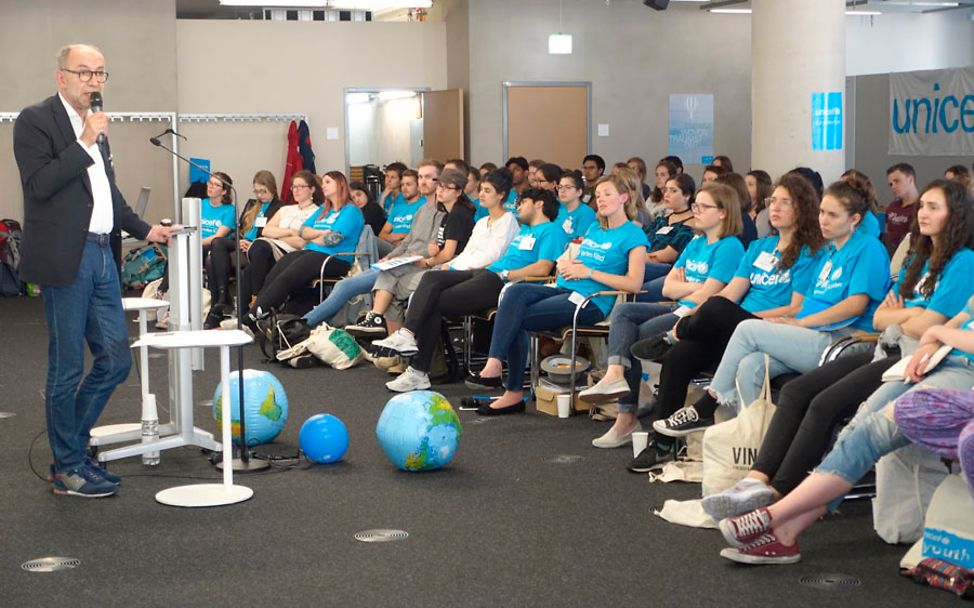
501	526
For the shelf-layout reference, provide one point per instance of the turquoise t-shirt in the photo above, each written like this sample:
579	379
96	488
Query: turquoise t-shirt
606	250
213	218
252	233
348	221
860	267
869	224
954	285
511	203
542	242
772	287
402	214
392	202
701	261
575	223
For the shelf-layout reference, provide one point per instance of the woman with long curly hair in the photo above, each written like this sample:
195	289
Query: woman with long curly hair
933	286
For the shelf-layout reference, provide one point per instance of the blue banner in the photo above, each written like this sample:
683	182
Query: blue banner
827	121
691	134
195	175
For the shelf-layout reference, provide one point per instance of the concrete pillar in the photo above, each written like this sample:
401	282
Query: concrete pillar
797	49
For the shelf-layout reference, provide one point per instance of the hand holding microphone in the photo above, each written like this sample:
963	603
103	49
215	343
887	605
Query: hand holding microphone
96	124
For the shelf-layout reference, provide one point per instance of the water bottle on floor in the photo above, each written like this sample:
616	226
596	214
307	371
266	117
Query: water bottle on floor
150	430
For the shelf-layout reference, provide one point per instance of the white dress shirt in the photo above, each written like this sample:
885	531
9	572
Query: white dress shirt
487	243
102	214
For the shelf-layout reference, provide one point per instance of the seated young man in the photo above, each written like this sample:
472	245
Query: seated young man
533	252
397	284
400	216
423	229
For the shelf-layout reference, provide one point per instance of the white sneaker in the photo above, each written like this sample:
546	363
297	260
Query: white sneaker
401	341
612	439
744	496
409	380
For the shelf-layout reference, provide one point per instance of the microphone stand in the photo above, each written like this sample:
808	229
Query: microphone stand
244	464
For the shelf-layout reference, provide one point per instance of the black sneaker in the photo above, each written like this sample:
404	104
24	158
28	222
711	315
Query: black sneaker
372	326
683	422
649	459
650	349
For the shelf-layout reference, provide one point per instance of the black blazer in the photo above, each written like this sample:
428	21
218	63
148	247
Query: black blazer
57	196
269	213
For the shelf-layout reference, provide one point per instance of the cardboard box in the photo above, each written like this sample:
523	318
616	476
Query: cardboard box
545	400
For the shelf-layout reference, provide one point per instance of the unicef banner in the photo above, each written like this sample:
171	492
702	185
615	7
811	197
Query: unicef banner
932	113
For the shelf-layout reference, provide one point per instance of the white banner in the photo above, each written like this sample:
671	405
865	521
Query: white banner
932	113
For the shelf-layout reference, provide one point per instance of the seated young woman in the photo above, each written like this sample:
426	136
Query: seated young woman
469	287
668	234
375	217
703	269
665	171
759	188
769	535
397	284
280	235
861	182
933	286
573	216
255	215
769	281
851	280
611	257
739	184
335	228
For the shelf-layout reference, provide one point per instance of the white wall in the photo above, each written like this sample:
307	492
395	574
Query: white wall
293	67
904	43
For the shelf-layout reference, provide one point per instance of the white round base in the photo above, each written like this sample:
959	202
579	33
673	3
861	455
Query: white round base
204	495
111	429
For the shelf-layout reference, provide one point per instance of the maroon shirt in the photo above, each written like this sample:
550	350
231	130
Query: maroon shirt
899	218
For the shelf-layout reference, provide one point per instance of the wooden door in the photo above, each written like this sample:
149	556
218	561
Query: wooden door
443	124
548	121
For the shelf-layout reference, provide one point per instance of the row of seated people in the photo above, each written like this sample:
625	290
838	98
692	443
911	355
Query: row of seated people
822	275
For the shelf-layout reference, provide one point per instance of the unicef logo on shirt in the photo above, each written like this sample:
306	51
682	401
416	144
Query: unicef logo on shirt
837	273
698	267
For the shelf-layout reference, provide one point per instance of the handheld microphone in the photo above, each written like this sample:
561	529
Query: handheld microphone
97	103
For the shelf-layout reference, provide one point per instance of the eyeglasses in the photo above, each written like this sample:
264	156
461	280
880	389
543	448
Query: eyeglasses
298	186
85	75
215	184
261	191
447	187
783	202
701	207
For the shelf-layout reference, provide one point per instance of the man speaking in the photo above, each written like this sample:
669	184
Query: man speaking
73	215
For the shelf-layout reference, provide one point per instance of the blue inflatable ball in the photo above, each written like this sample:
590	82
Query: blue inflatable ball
323	438
265	406
419	431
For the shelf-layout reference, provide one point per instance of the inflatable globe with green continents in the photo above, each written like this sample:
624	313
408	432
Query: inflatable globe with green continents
265	406
419	431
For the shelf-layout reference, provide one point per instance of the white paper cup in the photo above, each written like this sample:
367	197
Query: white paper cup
564	406
640	439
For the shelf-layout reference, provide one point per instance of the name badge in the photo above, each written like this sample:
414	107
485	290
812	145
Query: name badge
665	230
260	222
826	269
766	262
526	244
567	226
586	198
576	298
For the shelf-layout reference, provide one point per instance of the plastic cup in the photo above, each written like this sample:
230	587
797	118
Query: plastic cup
640	439
564	405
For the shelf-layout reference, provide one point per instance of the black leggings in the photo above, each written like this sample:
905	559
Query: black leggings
809	407
294	272
220	263
260	260
447	293
703	338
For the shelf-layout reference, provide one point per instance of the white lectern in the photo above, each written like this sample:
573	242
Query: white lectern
206	494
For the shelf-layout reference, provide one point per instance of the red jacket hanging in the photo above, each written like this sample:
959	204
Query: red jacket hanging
293	163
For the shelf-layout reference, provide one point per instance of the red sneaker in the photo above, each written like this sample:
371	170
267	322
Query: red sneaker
766	549
743	529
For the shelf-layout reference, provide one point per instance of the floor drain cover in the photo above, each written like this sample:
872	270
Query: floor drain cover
381	536
830	581
50	564
565	459
7	414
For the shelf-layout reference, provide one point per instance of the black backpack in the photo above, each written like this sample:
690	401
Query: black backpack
10	236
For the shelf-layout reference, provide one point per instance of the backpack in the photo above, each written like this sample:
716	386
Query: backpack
143	265
10	236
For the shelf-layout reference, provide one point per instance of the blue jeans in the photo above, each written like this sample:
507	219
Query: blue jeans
341	293
872	434
89	309
653	278
629	323
529	307
790	349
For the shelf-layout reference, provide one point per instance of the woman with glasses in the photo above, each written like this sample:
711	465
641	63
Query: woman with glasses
609	258
280	235
573	217
255	215
330	232
703	269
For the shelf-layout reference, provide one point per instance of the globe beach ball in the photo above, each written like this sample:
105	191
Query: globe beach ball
323	438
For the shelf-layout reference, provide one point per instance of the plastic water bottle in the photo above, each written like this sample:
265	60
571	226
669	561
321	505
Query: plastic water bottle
150	430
